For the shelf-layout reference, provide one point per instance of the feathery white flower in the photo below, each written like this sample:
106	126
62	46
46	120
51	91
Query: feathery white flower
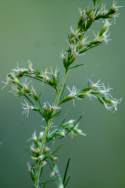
27	107
45	75
54	73
34	136
73	49
100	86
113	106
72	91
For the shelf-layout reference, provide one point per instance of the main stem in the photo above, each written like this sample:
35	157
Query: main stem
47	128
37	182
57	101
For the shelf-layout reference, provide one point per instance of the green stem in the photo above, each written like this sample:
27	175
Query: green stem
37	181
60	91
47	128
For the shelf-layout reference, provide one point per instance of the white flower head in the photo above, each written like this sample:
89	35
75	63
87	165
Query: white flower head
106	38
83	13
103	9
115	6
72	91
113	106
19	69
27	107
74	49
5	83
34	136
107	24
54	73
84	41
100	86
30	65
51	107
14	90
45	75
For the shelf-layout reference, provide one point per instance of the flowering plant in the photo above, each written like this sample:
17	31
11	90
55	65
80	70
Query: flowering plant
79	41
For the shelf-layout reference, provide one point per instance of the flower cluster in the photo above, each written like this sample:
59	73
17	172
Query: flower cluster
40	154
96	90
27	108
78	41
49	111
70	127
99	91
50	78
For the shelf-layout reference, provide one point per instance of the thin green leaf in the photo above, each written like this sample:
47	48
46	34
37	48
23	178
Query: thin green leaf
67	181
76	66
65	173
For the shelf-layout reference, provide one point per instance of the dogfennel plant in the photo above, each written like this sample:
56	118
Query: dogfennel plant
80	40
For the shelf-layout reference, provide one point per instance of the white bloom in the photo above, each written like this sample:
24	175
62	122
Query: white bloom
53	107
107	24
84	41
103	35
72	91
73	49
45	75
19	69
103	9
14	90
54	73
100	87
34	136
115	6
113	106
106	38
27	108
75	33
30	65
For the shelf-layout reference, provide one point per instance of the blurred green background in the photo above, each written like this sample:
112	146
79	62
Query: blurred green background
37	30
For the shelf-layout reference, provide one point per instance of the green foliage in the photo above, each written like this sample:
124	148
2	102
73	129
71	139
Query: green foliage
42	153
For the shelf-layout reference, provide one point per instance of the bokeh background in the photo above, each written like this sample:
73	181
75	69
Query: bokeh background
37	30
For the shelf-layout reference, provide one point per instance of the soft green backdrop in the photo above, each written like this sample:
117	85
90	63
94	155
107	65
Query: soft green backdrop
37	30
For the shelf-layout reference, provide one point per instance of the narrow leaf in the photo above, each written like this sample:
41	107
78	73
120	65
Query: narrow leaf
67	181
79	65
65	173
